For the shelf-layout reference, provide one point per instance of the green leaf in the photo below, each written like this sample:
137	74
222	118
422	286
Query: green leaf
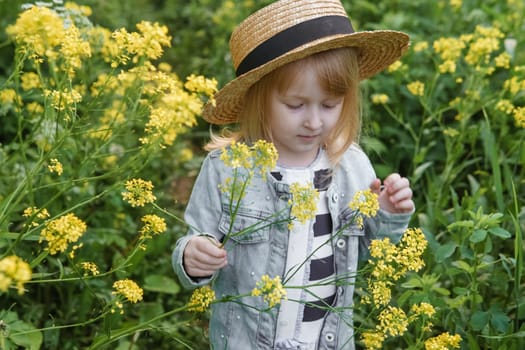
500	321
161	284
22	333
445	251
500	232
479	320
463	266
478	236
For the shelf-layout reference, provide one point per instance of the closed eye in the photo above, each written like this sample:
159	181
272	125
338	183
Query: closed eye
294	106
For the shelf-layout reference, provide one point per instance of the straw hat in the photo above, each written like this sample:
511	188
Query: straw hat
288	30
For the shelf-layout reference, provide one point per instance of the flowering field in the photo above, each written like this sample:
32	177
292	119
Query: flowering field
100	140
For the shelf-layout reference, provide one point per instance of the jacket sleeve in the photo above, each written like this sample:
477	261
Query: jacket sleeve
202	216
383	225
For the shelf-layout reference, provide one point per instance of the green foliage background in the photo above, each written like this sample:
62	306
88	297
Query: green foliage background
469	189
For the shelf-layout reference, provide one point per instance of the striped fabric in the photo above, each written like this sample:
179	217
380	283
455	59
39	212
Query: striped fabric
301	316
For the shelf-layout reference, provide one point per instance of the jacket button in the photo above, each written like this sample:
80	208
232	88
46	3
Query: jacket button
340	243
329	337
335	198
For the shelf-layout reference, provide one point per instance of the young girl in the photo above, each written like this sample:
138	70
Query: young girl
298	65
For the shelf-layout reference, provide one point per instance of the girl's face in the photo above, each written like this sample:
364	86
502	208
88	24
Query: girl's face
301	118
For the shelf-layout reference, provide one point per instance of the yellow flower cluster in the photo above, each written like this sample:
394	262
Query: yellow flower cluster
139	192
128	289
42	33
443	341
55	166
416	88
200	299
246	160
425	309
153	225
89	267
30	80
173	105
380	99
392	321
14	270
271	290
60	232
10	97
63	100
519	117
481	51
34	212
147	43
303	202
390	262
366	203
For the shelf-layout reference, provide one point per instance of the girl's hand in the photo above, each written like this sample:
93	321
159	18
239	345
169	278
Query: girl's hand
396	194
203	256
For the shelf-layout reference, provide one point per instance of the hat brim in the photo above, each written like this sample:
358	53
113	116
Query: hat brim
376	51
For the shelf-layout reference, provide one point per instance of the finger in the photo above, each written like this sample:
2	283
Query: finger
375	186
391	179
396	184
405	206
404	193
211	248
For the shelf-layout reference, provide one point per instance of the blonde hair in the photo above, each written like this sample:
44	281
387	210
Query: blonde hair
338	74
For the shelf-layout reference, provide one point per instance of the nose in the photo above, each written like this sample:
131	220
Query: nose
313	120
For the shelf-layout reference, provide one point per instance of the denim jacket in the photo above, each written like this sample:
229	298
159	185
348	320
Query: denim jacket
241	325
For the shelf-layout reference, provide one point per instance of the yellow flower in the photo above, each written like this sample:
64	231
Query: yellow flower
519	117
9	97
513	85
505	106
366	203
394	66
303	202
271	290
61	100
423	309
443	341
411	248
128	289
34	212
201	84
264	156
449	49
30	80
153	225
89	267
14	270
148	42
380	99
380	291
60	232
201	299
84	10
416	88
43	34
420	46
392	321
139	192
373	340
503	60
245	160
55	166
455	4
238	155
